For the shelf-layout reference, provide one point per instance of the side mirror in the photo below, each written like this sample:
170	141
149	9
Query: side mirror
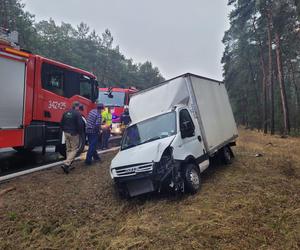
187	130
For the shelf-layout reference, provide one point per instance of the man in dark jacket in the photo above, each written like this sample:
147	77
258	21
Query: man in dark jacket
93	126
72	126
125	118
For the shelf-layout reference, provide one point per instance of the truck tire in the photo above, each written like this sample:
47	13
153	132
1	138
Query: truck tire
192	179
22	150
82	142
226	155
62	150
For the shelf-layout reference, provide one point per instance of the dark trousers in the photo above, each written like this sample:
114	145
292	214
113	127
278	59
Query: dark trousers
92	151
105	138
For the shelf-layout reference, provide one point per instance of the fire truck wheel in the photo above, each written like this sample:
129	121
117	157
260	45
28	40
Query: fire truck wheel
82	141
61	149
22	149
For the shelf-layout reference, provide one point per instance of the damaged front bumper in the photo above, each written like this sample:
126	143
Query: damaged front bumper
145	178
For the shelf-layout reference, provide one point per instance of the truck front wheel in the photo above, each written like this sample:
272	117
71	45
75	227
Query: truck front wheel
192	178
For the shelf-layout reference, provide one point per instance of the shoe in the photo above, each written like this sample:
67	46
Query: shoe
65	169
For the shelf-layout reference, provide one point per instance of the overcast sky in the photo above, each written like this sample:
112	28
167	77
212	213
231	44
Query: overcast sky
176	36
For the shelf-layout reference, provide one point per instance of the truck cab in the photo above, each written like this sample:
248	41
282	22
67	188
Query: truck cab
169	144
156	145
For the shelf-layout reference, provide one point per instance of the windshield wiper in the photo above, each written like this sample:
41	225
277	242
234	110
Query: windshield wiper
129	146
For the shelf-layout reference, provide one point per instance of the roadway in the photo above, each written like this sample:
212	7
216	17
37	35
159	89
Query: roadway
12	161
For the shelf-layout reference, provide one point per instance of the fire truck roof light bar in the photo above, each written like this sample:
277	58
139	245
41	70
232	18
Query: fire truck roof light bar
16	52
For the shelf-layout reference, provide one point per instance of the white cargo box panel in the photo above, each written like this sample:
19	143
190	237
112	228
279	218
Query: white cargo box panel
12	84
159	99
216	117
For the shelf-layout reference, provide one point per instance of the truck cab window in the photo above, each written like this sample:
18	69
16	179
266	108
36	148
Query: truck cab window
185	118
53	79
86	88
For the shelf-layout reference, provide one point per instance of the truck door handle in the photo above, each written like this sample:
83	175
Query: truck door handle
199	138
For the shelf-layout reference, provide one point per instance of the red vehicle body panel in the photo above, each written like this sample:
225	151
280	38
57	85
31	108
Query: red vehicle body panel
11	138
37	100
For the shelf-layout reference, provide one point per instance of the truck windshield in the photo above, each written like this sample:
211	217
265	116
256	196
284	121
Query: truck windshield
116	99
149	130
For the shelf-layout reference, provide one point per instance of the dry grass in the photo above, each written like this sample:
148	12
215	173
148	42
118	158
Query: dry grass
252	204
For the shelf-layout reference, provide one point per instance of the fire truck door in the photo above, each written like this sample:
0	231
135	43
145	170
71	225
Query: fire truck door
12	87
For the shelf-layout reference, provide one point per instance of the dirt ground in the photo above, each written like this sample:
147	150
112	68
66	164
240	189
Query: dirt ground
252	204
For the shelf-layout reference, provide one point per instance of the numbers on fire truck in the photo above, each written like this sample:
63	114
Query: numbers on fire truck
57	105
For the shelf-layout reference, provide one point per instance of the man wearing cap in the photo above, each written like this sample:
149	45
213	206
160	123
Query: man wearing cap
93	126
72	126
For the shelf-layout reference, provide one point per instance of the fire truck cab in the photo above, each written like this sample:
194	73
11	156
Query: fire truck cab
35	92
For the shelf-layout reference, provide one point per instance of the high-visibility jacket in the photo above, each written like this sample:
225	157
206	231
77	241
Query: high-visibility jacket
106	117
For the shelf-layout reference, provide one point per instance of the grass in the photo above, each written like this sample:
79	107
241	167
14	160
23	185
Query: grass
252	204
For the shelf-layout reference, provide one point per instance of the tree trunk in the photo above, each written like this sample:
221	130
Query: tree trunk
270	72
285	108
258	124
265	104
264	80
297	95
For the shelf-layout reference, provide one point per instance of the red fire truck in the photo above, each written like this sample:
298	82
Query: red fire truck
35	92
118	99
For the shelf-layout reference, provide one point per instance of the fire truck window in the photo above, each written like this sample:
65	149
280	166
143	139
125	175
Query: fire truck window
71	87
86	87
53	79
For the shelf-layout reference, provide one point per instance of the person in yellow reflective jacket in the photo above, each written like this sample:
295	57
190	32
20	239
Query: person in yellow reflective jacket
107	122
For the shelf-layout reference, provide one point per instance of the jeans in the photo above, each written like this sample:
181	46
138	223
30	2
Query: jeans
92	151
105	138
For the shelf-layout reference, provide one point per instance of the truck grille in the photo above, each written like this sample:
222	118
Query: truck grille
133	170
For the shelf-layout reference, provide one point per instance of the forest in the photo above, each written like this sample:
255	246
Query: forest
261	64
77	46
261	61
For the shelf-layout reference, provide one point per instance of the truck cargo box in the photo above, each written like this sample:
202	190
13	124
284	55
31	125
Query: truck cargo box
207	99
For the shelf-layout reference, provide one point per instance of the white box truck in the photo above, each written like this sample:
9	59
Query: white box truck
176	128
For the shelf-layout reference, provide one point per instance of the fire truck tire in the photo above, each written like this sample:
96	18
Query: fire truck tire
22	149
63	150
82	142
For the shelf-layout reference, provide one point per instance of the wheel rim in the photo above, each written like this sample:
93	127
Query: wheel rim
194	178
